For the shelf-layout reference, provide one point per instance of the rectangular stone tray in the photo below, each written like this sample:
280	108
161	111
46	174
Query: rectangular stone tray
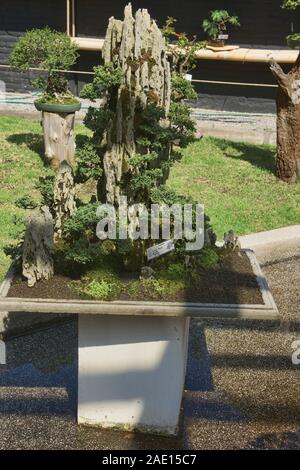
265	311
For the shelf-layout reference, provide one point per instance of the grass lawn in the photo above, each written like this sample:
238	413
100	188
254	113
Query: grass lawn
234	181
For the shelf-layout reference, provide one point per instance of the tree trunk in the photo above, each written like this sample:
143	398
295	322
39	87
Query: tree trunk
38	247
138	47
59	137
288	122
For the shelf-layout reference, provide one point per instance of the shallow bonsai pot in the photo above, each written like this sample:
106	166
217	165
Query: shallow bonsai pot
57	108
265	310
216	42
293	42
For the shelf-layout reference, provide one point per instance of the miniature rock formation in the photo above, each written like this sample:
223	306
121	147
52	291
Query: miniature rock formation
38	247
231	241
64	197
147	273
59	137
137	46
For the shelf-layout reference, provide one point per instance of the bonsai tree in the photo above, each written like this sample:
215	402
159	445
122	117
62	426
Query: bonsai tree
288	112
181	48
51	52
217	22
293	40
138	131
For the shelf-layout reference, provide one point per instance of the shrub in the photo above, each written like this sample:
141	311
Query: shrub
207	257
26	202
105	77
182	88
83	222
45	185
88	162
82	253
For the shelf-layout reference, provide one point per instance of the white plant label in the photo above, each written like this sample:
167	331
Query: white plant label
160	249
223	36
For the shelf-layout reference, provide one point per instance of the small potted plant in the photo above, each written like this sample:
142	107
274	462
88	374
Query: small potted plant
293	40
216	26
51	52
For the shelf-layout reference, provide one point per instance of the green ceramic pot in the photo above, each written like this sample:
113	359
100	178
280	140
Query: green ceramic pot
57	108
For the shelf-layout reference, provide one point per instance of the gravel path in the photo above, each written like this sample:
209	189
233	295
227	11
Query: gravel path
242	390
245	127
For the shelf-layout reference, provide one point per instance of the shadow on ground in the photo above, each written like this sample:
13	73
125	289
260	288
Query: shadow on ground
260	156
38	394
33	141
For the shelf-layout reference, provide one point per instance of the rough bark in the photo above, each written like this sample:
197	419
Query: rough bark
38	247
288	122
59	137
138	47
64	197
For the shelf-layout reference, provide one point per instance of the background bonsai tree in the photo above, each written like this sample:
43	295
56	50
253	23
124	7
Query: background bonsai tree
288	113
48	50
181	47
217	22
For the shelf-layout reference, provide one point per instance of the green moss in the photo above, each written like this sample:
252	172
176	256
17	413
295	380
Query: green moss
47	99
154	289
100	273
101	290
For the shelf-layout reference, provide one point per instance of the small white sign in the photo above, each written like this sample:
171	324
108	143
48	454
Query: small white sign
189	77
160	249
223	36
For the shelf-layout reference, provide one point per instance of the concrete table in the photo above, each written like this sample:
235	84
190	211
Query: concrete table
132	371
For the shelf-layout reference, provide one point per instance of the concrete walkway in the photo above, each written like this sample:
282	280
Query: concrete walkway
242	390
256	128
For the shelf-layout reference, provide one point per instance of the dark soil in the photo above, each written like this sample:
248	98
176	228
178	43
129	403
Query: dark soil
231	281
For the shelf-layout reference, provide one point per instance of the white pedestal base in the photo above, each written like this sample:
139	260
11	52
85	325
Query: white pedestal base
132	371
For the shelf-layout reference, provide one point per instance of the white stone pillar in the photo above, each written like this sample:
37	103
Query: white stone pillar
132	371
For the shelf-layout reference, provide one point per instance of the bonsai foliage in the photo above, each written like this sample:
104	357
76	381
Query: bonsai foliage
181	48
48	50
217	23
291	4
